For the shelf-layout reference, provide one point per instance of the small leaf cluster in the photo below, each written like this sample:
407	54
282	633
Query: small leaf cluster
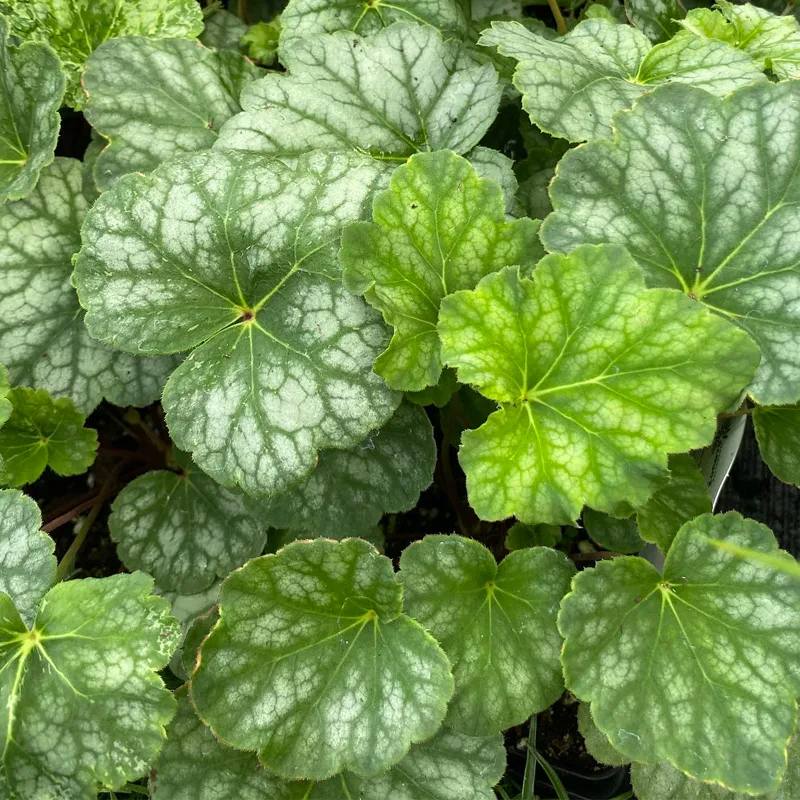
325	246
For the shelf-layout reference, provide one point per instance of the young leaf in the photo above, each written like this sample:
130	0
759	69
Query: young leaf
497	625
597	744
659	20
156	99
778	434
597	378
771	41
42	432
695	664
349	490
234	257
672	206
617	535
84	706
43	339
261	42
75	28
183	528
31	91
27	563
399	92
321	662
437	229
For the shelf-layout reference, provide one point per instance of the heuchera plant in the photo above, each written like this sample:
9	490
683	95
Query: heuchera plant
328	245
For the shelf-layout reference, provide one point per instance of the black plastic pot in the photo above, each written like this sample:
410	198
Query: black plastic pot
602	785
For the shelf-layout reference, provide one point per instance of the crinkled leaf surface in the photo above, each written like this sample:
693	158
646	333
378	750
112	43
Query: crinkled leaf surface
83	706
597	380
778	433
396	93
705	194
772	41
659	20
438	228
194	764
31	91
617	535
42	432
74	28
695	664
313	664
233	256
222	30
497	625
597	744
349	490
183	528
156	99
572	86
43	339
27	563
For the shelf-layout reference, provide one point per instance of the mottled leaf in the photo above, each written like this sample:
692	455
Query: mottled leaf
572	86
233	256
597	744
396	93
156	99
437	229
659	20
497	625
705	194
5	403
695	664
42	432
492	164
597	380
222	30
326	672
778	433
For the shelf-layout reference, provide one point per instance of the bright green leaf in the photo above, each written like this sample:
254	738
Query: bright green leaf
597	744
597	379
31	91
695	664
520	536
659	20
349	490
437	229
43	339
778	434
27	563
261	42
399	92
572	86
183	528
42	432
84	707
234	256
497	625
617	535
707	201
74	28
772	41
222	30
326	672
156	99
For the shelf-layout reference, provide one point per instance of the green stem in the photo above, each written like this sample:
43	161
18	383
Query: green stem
561	26
243	11
529	778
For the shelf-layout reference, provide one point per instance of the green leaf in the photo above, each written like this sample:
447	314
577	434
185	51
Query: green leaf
323	665
42	432
616	535
74	28
146	123
43	339
597	744
195	764
438	395
520	536
672	206
5	403
492	164
772	41
31	91
84	706
27	563
399	92
659	20
572	86
351	489
438	228
234	257
597	379
194	636
693	665
183	528
261	42
778	434
497	625
536	171
189	609
222	30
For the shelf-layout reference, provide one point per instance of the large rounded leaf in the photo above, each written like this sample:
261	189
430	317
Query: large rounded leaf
693	665
778	433
597	379
313	664
497	625
705	194
233	256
